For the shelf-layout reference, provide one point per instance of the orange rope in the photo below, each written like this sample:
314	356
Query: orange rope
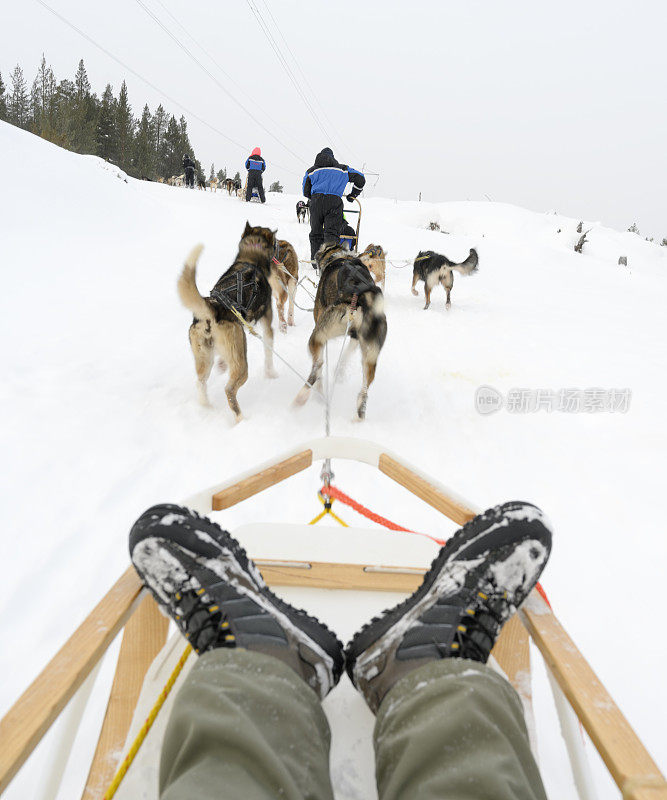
336	494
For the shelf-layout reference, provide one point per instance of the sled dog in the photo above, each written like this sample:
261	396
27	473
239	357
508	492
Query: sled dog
432	268
302	211
374	258
346	295
283	280
243	290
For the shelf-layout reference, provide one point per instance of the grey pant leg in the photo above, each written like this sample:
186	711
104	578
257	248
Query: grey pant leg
454	730
244	726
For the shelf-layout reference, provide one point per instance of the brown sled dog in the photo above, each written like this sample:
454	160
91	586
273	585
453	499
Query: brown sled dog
432	268
346	295
374	258
283	280
243	288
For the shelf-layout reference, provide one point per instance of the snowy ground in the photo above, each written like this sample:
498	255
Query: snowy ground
100	416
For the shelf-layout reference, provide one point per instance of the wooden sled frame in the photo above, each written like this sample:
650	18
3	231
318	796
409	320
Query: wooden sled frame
127	606
354	240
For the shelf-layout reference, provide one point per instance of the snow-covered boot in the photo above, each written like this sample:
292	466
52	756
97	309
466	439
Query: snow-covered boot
476	582
202	577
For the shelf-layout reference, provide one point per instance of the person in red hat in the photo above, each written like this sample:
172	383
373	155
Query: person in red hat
255	166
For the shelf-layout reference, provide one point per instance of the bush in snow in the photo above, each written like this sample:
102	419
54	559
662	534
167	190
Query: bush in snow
275	187
633	228
434	226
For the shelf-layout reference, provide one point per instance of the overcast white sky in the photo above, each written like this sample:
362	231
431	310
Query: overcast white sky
553	106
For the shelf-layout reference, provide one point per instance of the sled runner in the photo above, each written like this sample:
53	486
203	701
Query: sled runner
353	241
292	557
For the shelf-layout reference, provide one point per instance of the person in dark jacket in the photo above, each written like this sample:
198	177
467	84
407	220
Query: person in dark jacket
324	183
189	167
255	166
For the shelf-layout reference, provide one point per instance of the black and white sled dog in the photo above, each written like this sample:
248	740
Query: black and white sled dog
432	268
302	211
346	295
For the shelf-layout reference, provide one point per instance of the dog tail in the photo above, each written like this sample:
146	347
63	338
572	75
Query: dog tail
468	266
374	326
187	286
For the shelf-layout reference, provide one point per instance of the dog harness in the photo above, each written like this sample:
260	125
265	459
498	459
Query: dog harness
237	292
354	278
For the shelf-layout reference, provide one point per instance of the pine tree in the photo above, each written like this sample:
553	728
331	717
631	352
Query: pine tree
3	101
18	106
212	172
144	154
84	113
71	115
222	174
160	122
124	130
43	101
184	144
237	177
105	144
172	152
64	102
276	187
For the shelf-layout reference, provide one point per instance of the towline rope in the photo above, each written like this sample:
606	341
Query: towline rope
254	333
332	493
335	494
145	728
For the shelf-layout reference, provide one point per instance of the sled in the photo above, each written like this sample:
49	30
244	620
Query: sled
353	241
255	193
146	659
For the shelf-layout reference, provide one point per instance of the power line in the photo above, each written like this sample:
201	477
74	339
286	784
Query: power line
155	88
285	65
194	58
225	73
308	84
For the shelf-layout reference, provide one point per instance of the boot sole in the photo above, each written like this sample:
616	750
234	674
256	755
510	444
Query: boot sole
471	542
199	537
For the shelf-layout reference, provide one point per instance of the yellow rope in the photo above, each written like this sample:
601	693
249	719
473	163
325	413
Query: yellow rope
325	511
150	719
244	322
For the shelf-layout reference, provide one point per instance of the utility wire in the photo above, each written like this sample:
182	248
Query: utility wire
194	58
226	74
285	65
155	88
307	82
141	77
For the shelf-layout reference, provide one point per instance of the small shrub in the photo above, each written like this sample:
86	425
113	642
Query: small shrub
434	226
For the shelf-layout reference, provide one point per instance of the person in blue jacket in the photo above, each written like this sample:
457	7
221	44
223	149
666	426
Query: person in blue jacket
324	183
255	166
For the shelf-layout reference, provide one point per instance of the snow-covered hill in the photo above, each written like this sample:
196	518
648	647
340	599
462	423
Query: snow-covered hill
100	417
